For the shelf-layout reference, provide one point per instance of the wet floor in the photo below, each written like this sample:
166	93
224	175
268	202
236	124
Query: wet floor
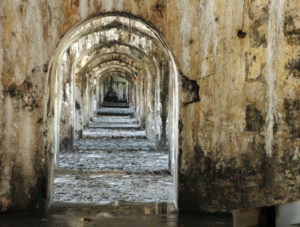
114	162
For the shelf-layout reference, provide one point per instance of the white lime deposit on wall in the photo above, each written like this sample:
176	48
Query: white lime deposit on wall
206	15
83	8
185	11
107	5
273	52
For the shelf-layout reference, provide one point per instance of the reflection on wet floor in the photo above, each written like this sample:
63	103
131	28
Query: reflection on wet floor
118	215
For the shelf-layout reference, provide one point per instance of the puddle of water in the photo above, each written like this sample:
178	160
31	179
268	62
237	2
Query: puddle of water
116	214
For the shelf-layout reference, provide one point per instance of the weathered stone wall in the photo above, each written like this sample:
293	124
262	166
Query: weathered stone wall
239	97
66	121
238	144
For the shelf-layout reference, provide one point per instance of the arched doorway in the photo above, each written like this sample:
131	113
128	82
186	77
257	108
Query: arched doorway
106	46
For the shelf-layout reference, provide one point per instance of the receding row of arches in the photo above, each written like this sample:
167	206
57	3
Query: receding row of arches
119	57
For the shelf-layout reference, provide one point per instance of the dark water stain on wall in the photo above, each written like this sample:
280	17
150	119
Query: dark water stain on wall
294	67
291	32
254	119
292	108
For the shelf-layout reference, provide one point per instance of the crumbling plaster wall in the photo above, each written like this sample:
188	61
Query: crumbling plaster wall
239	96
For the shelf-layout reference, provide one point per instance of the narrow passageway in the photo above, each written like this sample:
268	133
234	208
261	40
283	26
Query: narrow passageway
113	162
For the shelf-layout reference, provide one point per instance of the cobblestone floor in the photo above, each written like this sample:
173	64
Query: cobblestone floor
113	187
114	125
128	161
114	162
115	119
116	111
113	133
131	144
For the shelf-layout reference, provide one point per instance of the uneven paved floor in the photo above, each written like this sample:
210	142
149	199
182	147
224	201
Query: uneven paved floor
115	119
118	160
114	162
116	187
116	144
113	133
106	111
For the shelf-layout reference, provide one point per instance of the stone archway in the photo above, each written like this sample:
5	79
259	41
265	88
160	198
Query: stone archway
105	44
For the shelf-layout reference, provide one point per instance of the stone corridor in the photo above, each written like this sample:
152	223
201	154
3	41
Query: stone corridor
144	113
113	162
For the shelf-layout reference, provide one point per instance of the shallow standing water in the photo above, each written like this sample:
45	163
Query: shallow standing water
116	215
